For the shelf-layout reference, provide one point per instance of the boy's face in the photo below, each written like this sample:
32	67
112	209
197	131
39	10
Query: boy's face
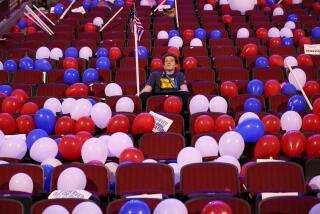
169	65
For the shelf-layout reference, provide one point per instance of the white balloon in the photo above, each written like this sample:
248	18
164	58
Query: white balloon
163	35
242	6
176	169
145	3
223	2
118	142
13	147
53	104
290	25
149	161
176	42
315	209
188	155
113	89
81	108
101	114
273	32
87	207
196	42
1	66
56	54
43	53
54	209
94	149
207	7
72	178
297	1
172	206
207	146
278	12
43	148
229	159
314	183
286	32
218	104
52	162
247	115
298	74
112	169
290	120
98	21
231	143
243	33
105	139
67	105
85	53
198	103
125	104
21	182
3	162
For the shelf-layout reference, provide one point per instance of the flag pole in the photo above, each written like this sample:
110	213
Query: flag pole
136	51
66	11
157	8
46	17
177	15
114	16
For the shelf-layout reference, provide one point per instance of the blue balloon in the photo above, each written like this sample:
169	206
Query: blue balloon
71	52
170	2
253	105
315	33
42	65
103	63
255	87
6	89
288	89
94	3
251	129
22	24
47	173
200	33
119	3
86	5
46	120
57	140
26	63
297	103
173	33
293	18
215	34
142	52
34	135
90	75
262	62
58	9
92	101
71	76
102	52
125	163
287	41
135	207
271	2
10	65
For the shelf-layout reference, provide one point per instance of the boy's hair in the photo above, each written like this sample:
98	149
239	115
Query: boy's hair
172	55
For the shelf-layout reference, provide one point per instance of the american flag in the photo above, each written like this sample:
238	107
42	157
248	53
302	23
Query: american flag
133	17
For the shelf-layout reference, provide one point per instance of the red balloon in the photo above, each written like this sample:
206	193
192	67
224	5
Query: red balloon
3	95
25	124
70	62
64	125
212	2
115	53
7	123
287	1
29	108
262	33
30	30
305	41
298	33
224	123
271	87
227	19
188	35
217	207
228	89
30	22
129	3
174	51
83	136
316	106
131	154
267	9
304	60
311	88
190	62
143	123
261	2
156	64
277	5
90	27
70	147
311	122
276	60
267	146
77	89
15	29
316	6
313	146
271	123
20	94
172	104
11	105
249	50
203	124
119	123
293	143
84	124
274	42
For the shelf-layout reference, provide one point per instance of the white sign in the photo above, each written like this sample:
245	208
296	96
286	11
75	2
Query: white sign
164	7
79	10
275	194
312	49
268	160
83	194
157	196
162	123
